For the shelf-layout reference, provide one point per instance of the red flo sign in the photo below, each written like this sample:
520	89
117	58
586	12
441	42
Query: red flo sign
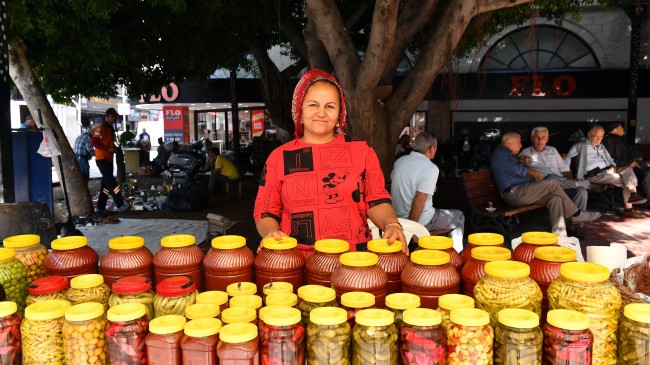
177	123
257	122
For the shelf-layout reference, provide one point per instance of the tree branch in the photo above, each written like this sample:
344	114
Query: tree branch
317	54
293	33
352	20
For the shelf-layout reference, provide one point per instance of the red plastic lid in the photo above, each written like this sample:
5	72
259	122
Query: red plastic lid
131	285
48	285
176	286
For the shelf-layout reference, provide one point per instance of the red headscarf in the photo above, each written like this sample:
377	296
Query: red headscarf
306	80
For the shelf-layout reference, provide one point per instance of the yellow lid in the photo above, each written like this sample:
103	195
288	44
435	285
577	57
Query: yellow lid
248	301
316	293
213	296
46	310
639	312
286	243
584	271
435	242
567	319
228	242
359	259
429	257
382	246
422	317
555	254
165	325
282	316
357	299
202	327
126	242
328	316
518	318
84	311
491	253
177	240
262	312
8	308
69	242
238	315
23	240
7	253
281	300
332	246
238	332
455	301
126	312
277	287
472	317
539	238
402	301
485	239
374	317
202	310
241	288
86	281
507	269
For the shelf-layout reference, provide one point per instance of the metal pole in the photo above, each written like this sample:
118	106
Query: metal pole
234	106
7	188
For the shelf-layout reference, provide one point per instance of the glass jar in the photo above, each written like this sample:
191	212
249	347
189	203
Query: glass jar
392	260
282	300
239	315
173	295
449	302
585	287
374	338
282	337
202	310
30	252
422	338
442	243
278	287
314	296
507	284
322	262
530	241
545	267
126	331
260	318
359	272
178	255
13	277
430	275
238	344
71	256
199	343
84	339
253	302
474	269
355	301
41	332
567	338
241	288
518	338
47	288
470	339
480	240
634	334
328	336
280	261
10	342
88	288
163	341
228	261
399	302
133	289
214	297
126	256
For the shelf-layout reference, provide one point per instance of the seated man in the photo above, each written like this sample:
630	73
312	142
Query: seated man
414	180
522	185
160	161
625	154
222	171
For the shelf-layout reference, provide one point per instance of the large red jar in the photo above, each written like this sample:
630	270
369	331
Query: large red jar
392	260
359	272
178	255
480	240
430	275
126	256
229	261
442	243
199	344
474	269
322	262
545	267
531	241
163	341
280	261
71	256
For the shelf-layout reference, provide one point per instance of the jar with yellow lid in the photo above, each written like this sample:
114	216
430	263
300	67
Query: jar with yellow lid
202	310
399	302
507	284
322	262
88	288
238	344
449	302
314	296
241	288
530	241
442	243
392	260
179	255
585	287
354	301
164	340
84	339
278	287
199	342
217	297
260	317
13	277
567	338
474	269
41	332
374	338
126	256
228	261
422	338
518	338
126	331
253	302
173	295
480	240
359	271
133	289
282	337
545	267
280	260
30	252
470	339
71	256
282	300
47	288
10	343
328	337
239	315
634	335
430	275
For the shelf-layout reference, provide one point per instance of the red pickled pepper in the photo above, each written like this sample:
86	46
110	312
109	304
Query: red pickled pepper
421	347
129	348
277	349
574	350
10	340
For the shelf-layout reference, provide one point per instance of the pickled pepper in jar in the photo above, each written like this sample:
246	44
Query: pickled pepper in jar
173	295
518	338
634	335
88	288
126	331
374	338
199	343
282	337
10	342
328	337
314	296
470	339
422	338
238	344
163	341
41	333
399	302
545	267
30	252
567	338
133	289
47	288
355	301
84	339
449	302
13	277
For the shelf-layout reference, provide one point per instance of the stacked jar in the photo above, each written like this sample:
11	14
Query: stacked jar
126	331
239	315
359	272
88	288
84	339
422	338
202	310
392	260
47	288
470	339
238	344
282	300
530	241
133	289
374	338
517	338
41	333
634	334
430	275
163	341
280	260
567	338
253	302
449	302
314	296
545	268
328	337
71	256
173	295
214	297
322	262
30	252
282	337
442	243
10	342
474	269
13	277
228	261
480	240
178	255
126	256
278	287
199	342
354	301
399	302
241	288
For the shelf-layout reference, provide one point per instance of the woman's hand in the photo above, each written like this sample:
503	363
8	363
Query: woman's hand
394	233
276	233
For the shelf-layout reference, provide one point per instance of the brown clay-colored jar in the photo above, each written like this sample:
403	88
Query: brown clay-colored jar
359	271
178	255
430	275
126	256
280	261
474	269
229	261
392	260
545	267
480	240
322	262
70	257
442	243
531	241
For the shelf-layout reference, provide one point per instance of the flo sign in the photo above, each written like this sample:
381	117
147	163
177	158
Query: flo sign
168	93
563	85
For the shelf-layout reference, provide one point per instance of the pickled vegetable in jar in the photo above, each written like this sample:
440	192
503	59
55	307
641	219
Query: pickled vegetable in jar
178	255
480	240
282	300
88	288
374	338
126	331
199	343
359	272
239	315
278	287
41	333
634	335
442	243
323	260
422	338
202	310
163	341
530	241
126	256
474	269
449	302
10	342
238	344
430	275
84	339
133	289
253	302
280	260
314	296
214	297
47	288
545	267
13	277
399	302
282	337
518	338
392	260
328	337
228	261
470	339
567	338
30	252
71	256
355	301
241	288
173	295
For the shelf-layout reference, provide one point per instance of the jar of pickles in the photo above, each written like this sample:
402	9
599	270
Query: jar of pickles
399	302
173	295
470	339
41	333
530	241
228	261
567	338
314	296
474	269
422	338
392	260
545	267
442	243
585	287
13	277
199	343
238	344
374	338
328	337
126	331
355	301
634	335
253	302
278	287
88	288
241	288
84	339
202	310
163	341
239	315
282	337
30	252
518	338
10	342
71	256
126	256
282	300
214	297
47	288
430	275
480	240
133	289
449	302
322	262
280	260
359	272
178	255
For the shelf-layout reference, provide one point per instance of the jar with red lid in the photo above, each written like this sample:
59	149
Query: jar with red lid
47	288
480	240
392	260
530	241
238	344
10	343
474	269
202	310
126	331
280	260
442	243
88	288
422	338
30	252
214	297
239	315
399	302
126	256
277	287
163	341
449	302
567	338
133	289
178	255
173	295
314	296
253	302
359	271
282	338
322	262
430	275
199	342
228	261
71	256
282	300
545	268
355	301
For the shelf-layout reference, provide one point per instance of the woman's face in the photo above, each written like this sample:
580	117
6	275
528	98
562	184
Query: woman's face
320	111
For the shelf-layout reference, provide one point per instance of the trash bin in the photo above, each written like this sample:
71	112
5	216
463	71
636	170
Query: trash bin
32	172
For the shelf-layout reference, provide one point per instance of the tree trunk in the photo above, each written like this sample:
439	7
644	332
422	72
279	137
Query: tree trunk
29	86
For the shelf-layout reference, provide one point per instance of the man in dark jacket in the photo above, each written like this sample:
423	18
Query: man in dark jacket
625	154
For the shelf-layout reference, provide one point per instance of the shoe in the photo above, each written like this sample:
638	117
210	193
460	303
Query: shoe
126	206
637	199
585	216
632	214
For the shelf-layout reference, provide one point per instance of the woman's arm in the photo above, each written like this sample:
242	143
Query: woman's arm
268	227
383	216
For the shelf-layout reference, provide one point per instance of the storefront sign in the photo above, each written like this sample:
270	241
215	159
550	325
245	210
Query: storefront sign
177	125
168	93
257	122
563	85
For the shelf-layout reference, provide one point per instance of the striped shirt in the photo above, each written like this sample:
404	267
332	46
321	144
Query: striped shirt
82	146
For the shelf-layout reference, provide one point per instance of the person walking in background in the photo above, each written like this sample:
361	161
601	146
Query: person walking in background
126	137
144	141
84	150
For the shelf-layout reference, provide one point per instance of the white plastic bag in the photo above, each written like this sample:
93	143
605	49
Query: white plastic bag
49	147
